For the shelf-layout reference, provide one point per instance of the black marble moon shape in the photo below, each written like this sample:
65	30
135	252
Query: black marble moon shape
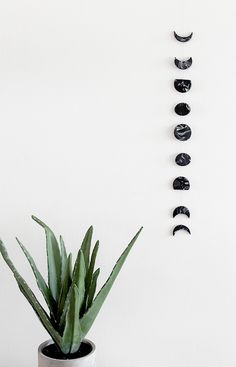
181	183
182	38
181	227
182	132
182	159
182	109
181	210
183	64
182	85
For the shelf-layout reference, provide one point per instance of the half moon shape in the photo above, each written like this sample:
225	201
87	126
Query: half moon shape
181	183
181	210
183	64
182	38
182	85
181	227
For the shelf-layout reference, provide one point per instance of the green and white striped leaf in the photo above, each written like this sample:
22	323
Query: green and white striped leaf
89	317
54	260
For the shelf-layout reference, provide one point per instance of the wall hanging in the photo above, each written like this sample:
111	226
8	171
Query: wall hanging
182	109
181	210
181	183
182	38
182	132
181	227
182	159
183	64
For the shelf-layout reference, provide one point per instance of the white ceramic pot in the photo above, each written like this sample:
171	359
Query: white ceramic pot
87	361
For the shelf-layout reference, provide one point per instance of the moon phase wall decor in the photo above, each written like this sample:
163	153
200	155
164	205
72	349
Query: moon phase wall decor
181	210
182	132
183	64
182	109
182	85
181	183
182	159
182	38
181	227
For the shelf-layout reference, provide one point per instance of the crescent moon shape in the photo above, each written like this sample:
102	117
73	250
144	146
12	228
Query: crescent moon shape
182	109
181	210
183	64
181	183
182	85
182	38
181	227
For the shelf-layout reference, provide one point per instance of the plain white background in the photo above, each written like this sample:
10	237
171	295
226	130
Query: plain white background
86	112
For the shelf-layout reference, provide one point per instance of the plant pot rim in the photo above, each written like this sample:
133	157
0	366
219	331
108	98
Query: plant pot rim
50	341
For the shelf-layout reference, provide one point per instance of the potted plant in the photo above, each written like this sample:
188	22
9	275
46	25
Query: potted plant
70	298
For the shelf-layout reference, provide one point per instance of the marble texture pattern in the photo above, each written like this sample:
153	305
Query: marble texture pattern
181	183
182	85
182	159
183	64
183	38
182	109
181	210
181	227
182	132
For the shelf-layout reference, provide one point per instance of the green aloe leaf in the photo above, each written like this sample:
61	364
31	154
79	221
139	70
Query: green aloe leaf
63	258
25	289
78	279
92	289
54	260
89	274
89	317
65	286
72	335
86	246
40	281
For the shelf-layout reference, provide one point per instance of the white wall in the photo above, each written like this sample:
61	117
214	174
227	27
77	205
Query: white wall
86	111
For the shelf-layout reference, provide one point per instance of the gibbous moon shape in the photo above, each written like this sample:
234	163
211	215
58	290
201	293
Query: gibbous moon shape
181	210
182	38
183	64
181	227
182	109
182	85
181	183
182	132
183	159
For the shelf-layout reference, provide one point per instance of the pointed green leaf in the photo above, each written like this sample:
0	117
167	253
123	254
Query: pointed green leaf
65	287
86	246
63	258
89	317
40	281
78	279
25	289
54	260
89	274
72	335
92	289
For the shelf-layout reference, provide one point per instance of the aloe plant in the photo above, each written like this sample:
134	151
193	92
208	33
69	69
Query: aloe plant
70	293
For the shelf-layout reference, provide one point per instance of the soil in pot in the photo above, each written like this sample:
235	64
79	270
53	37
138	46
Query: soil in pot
52	351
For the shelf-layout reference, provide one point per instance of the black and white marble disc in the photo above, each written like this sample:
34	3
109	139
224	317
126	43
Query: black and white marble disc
182	109
183	64
182	132
181	183
183	159
182	85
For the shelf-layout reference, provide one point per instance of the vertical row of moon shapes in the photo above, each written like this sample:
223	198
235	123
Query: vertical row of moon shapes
182	132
